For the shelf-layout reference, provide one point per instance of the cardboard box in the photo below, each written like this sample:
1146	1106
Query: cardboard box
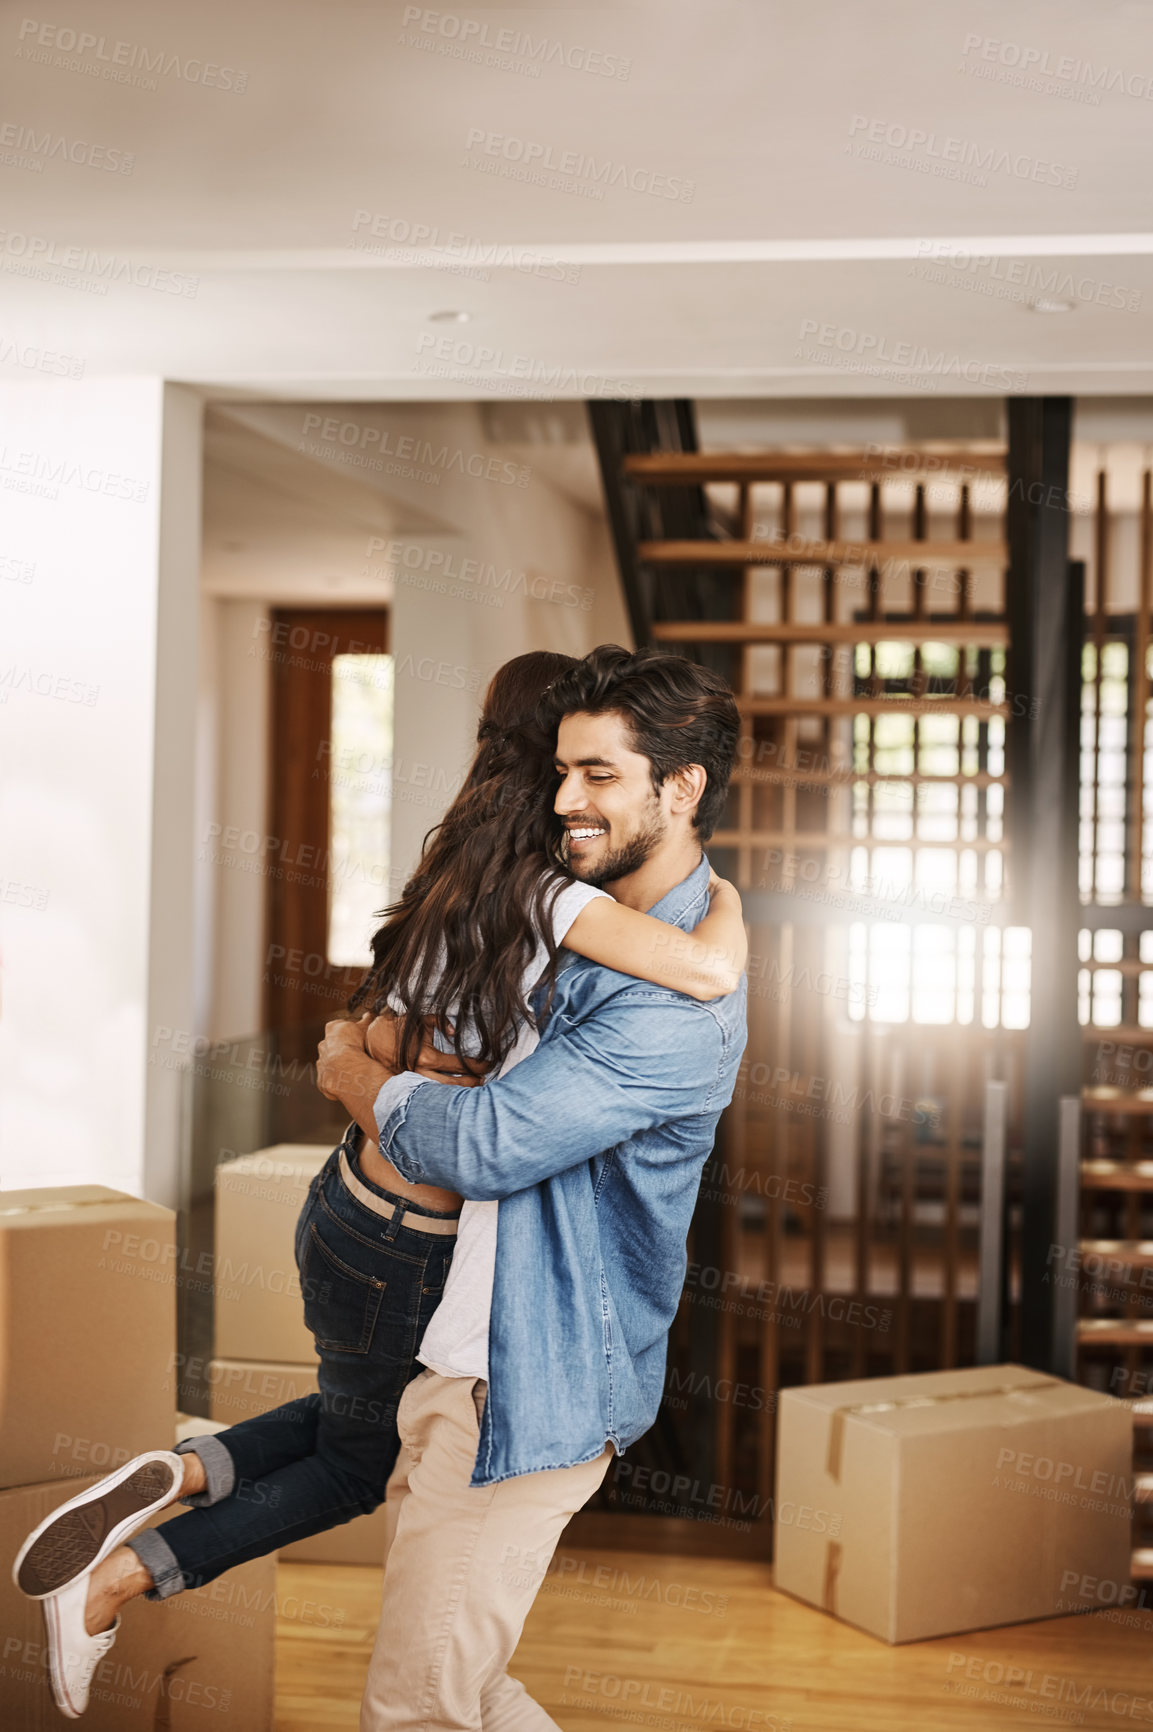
87	1331
259	1310
198	1660
958	1500
241	1390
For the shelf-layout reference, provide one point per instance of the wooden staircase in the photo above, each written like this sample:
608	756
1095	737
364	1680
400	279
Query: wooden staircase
1116	1175
787	571
802	713
1142	1565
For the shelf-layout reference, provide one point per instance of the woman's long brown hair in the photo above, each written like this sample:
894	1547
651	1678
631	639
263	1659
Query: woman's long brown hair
460	938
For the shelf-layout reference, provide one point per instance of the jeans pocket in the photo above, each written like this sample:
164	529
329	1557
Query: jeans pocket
341	1304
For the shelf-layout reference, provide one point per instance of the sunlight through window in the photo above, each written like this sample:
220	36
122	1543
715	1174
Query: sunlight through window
927	784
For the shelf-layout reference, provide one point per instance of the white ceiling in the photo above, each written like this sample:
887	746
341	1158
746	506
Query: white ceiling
791	266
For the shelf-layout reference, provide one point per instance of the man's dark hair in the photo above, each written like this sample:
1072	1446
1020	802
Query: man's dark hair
678	713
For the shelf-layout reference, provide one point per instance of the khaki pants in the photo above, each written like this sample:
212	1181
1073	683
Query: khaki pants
462	1570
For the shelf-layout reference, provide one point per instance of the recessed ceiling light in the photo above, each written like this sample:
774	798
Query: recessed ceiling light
1045	306
450	317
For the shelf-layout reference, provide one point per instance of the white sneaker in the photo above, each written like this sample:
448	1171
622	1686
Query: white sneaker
73	1655
82	1532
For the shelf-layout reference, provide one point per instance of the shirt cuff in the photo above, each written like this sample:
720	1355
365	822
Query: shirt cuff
390	1109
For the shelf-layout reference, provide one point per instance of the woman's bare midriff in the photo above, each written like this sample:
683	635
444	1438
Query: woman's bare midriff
374	1166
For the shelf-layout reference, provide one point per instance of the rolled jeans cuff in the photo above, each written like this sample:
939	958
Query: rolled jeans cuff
159	1560
219	1469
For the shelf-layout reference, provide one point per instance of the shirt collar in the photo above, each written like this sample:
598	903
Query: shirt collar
687	902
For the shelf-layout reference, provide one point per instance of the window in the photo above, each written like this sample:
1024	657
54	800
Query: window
360	782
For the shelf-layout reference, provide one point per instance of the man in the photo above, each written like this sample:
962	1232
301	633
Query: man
594	1146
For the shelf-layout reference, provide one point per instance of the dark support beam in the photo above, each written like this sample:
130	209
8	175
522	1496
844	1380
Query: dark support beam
1046	614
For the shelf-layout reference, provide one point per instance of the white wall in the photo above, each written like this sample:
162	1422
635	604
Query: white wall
449	632
101	515
529	568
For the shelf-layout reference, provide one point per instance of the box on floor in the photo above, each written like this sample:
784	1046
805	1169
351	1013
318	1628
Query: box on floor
240	1390
87	1330
203	1659
258	1307
929	1505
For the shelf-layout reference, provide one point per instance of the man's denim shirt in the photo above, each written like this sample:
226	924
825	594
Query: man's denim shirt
594	1144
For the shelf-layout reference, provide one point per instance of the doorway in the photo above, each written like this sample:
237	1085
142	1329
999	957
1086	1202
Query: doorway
329	803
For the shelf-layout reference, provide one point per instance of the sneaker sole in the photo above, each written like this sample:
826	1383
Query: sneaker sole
79	1537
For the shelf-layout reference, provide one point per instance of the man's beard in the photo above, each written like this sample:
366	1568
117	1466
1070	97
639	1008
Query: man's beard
624	860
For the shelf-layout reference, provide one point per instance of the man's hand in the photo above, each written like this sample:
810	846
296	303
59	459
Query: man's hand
342	1063
381	1040
345	1073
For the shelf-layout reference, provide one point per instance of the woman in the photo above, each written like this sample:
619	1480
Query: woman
478	928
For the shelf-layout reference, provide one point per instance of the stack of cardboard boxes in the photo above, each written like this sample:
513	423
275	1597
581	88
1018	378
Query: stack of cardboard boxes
264	1353
87	1360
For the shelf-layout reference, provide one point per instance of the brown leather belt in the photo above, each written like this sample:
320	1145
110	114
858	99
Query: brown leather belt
419	1223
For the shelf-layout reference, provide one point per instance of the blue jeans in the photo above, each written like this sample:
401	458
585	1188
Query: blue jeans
370	1285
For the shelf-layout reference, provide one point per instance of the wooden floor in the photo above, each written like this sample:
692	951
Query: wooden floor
606	1637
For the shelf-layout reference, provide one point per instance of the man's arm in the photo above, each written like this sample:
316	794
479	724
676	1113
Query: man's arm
348	1070
644	1057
